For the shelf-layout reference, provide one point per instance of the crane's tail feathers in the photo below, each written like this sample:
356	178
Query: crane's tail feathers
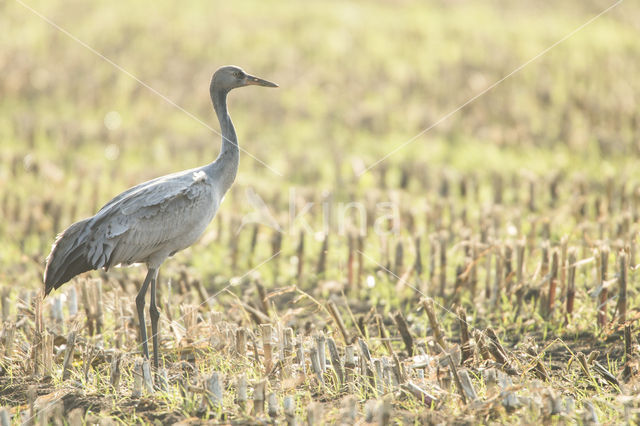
68	257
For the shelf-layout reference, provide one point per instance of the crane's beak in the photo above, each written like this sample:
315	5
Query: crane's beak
255	81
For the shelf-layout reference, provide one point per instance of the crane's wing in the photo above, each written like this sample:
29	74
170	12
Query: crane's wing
132	225
141	221
143	185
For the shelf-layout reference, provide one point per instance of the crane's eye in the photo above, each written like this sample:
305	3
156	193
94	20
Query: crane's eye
237	74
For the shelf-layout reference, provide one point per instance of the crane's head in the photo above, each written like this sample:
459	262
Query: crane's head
230	77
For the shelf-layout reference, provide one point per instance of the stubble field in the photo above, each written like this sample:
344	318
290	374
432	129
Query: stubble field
483	272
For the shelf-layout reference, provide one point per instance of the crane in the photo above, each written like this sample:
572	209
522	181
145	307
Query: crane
155	219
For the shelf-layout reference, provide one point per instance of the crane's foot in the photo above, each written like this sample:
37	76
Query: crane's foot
160	381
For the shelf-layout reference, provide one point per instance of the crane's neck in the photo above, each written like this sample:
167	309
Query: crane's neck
226	165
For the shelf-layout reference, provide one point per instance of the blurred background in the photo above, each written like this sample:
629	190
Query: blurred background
357	80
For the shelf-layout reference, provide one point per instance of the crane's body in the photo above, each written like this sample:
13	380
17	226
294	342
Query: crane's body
145	224
155	219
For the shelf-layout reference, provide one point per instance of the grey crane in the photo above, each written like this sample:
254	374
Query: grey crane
156	219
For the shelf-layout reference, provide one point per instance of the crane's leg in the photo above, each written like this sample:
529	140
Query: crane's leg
140	306
155	316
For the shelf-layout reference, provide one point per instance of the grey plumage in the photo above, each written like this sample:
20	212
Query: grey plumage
145	224
156	219
67	259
